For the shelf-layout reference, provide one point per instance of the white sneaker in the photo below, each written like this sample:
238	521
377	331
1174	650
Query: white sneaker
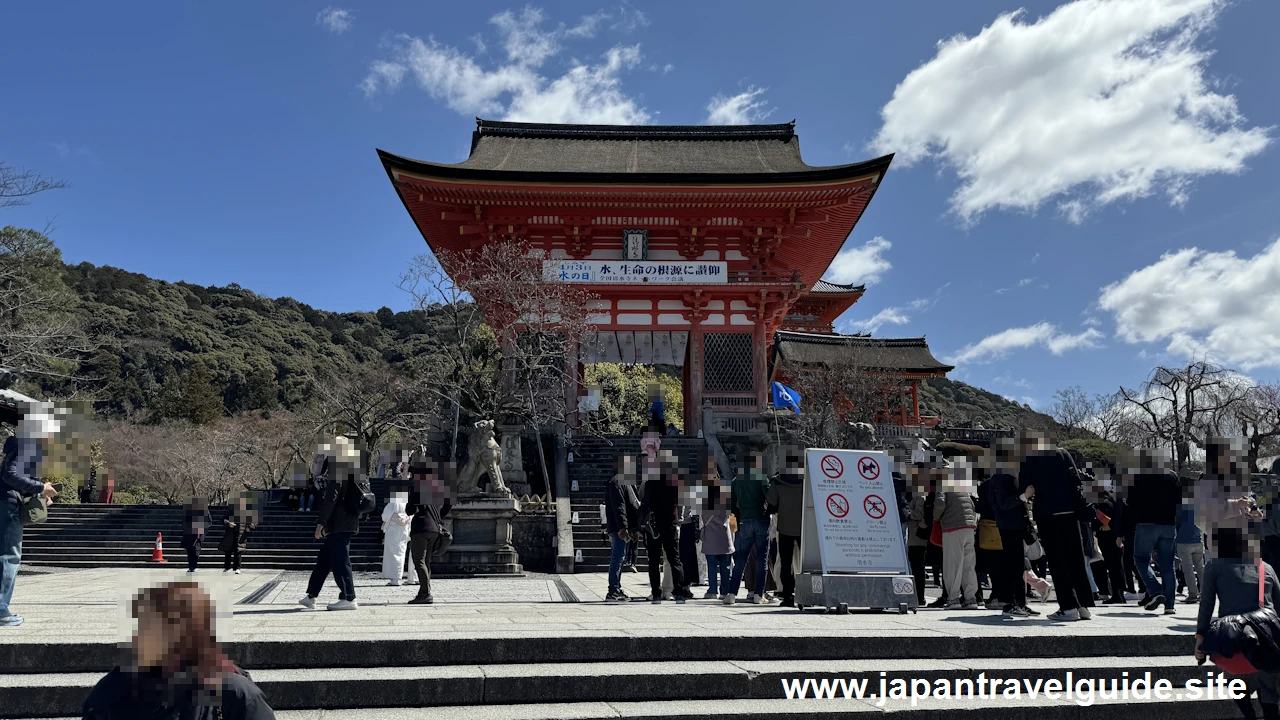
308	602
1065	615
394	583
728	599
237	572
1084	613
1170	611
343	605
668	596
762	600
953	605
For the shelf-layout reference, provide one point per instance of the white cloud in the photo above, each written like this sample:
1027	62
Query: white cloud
336	19
1026	281
1100	101
668	68
517	89
629	19
889	315
62	148
742	109
1203	303
1041	334
860	264
1035	258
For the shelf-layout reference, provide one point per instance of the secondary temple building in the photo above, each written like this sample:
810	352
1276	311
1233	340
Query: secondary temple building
706	246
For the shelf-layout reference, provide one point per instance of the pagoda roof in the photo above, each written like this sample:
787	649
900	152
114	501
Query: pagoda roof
902	355
822	287
735	154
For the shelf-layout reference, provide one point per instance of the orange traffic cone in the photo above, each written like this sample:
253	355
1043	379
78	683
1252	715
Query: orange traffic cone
157	555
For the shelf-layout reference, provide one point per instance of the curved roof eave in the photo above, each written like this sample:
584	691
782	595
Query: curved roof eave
876	166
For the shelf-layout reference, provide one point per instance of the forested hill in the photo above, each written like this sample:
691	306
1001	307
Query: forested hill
258	353
261	353
963	405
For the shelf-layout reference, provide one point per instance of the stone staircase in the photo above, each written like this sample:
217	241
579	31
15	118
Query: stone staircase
594	462
95	535
606	674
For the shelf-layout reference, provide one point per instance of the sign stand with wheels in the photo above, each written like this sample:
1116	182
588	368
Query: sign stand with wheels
852	549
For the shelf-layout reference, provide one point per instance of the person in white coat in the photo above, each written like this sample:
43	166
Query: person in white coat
395	538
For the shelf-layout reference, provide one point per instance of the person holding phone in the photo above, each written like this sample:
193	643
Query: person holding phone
19	478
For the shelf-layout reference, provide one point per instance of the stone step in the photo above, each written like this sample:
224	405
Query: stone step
506	687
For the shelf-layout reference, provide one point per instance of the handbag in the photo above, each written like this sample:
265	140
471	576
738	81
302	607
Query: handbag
33	511
1247	642
1035	550
989	535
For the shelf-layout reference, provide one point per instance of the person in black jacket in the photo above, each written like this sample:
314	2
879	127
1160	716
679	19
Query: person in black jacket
1009	510
1154	496
620	512
431	504
1108	522
336	524
1049	476
661	505
236	527
196	522
178	672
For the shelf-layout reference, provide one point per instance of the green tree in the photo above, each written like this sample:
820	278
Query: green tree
190	396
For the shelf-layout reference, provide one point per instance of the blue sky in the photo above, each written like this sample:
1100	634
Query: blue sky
1080	192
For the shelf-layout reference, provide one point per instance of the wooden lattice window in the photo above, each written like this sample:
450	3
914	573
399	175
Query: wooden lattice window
728	364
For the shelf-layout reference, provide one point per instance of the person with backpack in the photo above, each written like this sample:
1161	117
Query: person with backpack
427	536
347	498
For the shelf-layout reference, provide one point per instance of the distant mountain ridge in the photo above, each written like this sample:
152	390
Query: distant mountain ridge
261	353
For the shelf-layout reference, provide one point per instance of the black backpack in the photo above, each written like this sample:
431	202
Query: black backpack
357	496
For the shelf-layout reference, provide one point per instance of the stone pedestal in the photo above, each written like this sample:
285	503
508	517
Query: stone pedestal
481	527
513	460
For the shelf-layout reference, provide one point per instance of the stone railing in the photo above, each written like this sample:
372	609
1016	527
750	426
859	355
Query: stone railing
537	504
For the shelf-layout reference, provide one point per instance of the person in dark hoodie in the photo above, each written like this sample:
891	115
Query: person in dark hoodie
786	497
177	670
660	504
620	511
1049	476
432	502
1010	513
336	525
196	522
1154	496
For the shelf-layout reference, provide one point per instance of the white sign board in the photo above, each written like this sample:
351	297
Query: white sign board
856	511
656	272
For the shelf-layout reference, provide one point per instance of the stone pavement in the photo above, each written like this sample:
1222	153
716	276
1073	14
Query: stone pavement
89	606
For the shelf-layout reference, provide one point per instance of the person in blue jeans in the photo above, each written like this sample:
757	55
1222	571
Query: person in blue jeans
620	510
717	538
747	503
1154	497
19	477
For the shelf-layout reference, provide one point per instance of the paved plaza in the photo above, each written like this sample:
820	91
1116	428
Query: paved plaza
87	606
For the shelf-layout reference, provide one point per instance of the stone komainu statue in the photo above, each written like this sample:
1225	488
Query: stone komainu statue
862	435
485	456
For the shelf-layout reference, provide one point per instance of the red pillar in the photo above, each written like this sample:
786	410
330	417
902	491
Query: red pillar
693	391
915	400
758	363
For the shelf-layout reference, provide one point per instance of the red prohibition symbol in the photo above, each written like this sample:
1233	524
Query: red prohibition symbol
874	505
868	468
831	466
837	505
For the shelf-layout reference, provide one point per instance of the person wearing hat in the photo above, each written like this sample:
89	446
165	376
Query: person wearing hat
20	478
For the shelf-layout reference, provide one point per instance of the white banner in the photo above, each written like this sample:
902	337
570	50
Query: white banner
856	510
659	272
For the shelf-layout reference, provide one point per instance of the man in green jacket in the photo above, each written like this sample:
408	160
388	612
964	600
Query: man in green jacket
747	502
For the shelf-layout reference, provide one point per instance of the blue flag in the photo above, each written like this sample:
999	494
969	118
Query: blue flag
784	397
